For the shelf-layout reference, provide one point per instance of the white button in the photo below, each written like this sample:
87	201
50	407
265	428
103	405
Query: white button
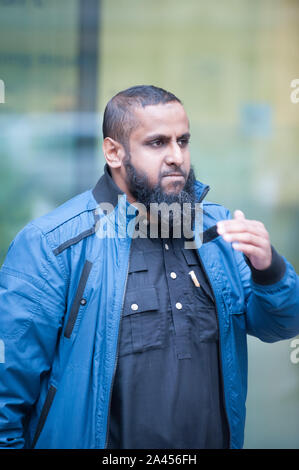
173	275
166	246
178	306
134	307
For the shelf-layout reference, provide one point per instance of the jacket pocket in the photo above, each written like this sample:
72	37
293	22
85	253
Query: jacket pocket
141	322
234	313
237	320
44	413
78	300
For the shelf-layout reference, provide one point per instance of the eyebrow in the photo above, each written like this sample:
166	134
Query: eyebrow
153	137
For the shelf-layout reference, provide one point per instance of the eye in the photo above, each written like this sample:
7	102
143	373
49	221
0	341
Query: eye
156	143
183	142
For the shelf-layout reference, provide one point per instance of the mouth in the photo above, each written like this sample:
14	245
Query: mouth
174	175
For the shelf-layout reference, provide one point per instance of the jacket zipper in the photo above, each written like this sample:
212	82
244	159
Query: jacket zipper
117	353
78	300
204	193
220	360
44	414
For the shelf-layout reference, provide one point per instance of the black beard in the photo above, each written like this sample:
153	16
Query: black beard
147	194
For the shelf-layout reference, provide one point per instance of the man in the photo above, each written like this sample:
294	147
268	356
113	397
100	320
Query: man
123	341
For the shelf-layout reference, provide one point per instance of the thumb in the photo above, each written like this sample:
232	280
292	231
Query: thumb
239	214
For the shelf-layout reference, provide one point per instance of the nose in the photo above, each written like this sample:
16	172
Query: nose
174	155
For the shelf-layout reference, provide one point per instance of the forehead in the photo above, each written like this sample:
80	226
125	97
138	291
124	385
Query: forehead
166	119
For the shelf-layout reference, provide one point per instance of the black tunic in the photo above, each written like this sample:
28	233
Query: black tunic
167	390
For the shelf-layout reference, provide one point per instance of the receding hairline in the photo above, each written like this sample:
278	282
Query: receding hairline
136	117
120	113
132	120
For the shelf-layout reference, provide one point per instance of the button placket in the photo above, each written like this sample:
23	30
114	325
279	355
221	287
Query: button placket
175	282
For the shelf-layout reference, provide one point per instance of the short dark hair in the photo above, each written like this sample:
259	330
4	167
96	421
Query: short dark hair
119	119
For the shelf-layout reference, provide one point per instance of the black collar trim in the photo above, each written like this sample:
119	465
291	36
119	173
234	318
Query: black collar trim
106	190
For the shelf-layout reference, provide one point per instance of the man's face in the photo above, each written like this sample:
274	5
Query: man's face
158	147
161	171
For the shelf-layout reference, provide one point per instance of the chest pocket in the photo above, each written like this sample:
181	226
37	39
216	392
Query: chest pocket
141	325
202	316
204	291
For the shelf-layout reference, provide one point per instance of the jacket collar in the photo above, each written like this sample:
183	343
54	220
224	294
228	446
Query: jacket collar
106	190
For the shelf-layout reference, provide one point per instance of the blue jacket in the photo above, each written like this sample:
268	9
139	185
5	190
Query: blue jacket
61	295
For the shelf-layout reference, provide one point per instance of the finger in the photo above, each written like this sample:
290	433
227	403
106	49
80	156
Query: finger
241	225
223	224
246	237
248	250
238	214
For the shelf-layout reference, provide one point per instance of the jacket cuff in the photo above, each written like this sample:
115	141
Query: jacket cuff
272	274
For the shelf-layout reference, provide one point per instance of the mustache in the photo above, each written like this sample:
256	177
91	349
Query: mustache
177	171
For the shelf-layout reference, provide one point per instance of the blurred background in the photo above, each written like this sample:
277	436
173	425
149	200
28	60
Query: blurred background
231	62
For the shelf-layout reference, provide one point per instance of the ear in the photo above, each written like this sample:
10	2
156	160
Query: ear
113	152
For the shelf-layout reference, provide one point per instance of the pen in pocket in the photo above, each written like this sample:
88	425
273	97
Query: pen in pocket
194	278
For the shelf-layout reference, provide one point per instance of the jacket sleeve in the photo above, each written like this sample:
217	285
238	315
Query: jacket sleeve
32	304
271	296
